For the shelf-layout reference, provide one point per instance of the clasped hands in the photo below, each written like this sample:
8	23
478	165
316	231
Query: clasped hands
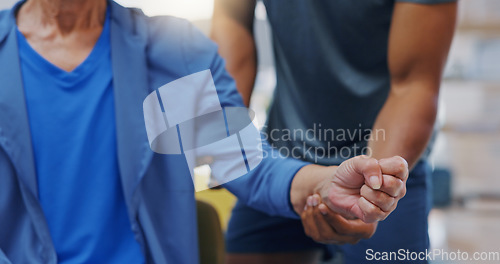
346	205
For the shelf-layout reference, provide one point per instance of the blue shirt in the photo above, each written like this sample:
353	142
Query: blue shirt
72	123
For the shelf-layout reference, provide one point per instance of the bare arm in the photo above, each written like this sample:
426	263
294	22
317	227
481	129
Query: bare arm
232	29
419	41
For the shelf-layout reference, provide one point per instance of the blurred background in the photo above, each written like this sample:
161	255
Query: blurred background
467	151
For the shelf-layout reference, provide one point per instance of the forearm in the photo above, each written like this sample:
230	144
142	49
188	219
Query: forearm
232	30
405	123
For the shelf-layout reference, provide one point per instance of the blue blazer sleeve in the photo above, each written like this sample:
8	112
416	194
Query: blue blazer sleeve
267	187
3	258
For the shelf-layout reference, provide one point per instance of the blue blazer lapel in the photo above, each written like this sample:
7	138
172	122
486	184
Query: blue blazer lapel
15	137
130	80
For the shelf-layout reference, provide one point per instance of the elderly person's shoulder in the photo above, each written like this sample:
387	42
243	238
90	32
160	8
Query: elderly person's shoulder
156	26
4	16
4	13
6	22
169	39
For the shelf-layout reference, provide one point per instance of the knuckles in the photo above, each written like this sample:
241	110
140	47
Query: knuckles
402	165
401	161
371	162
373	214
381	199
403	192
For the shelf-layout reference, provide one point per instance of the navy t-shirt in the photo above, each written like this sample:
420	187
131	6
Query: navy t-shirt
332	75
72	124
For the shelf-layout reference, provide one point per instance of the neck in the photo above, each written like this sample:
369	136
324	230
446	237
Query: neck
65	15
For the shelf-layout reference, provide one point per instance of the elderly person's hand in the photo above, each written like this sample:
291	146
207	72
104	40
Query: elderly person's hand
362	192
360	188
365	188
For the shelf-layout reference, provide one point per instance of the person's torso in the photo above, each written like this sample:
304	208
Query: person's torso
73	132
146	53
332	75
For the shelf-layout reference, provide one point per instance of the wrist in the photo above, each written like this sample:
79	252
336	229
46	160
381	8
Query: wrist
309	180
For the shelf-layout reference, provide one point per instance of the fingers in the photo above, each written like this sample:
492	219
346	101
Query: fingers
370	169
323	225
314	227
393	186
381	199
370	213
308	222
368	189
376	205
347	227
327	234
396	166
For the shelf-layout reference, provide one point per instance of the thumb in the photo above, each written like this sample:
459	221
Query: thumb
370	169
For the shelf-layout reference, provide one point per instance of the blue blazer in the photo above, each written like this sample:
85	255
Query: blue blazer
147	52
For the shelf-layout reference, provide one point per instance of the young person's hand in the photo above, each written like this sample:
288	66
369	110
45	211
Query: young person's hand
324	226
